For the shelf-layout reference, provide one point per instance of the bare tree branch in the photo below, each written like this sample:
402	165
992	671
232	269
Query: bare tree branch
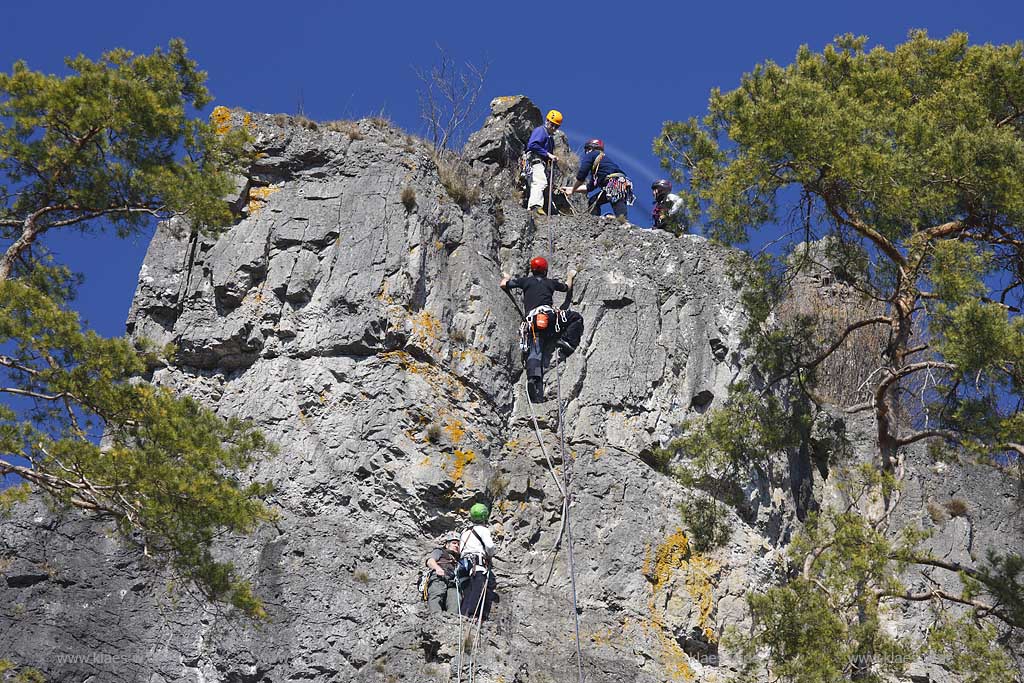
448	98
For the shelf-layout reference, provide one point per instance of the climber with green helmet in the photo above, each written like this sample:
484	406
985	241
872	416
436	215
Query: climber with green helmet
478	548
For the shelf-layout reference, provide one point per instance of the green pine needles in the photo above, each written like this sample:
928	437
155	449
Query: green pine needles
111	145
894	180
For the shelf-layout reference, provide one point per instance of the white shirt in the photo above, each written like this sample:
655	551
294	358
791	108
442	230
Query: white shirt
470	544
674	203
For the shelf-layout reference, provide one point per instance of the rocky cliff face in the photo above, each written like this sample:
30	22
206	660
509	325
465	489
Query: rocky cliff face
354	314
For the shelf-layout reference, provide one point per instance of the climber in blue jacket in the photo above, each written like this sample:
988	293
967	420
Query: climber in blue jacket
539	154
605	176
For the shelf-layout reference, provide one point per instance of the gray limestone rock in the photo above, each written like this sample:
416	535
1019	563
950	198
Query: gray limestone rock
372	343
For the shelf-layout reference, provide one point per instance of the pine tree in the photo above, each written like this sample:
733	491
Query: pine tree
905	166
111	146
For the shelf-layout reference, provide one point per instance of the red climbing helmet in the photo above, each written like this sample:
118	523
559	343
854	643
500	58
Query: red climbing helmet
539	265
594	143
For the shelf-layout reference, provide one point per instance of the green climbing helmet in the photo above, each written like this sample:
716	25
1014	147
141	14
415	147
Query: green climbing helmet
479	512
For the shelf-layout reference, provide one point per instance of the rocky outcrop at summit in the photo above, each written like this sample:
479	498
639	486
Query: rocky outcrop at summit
367	336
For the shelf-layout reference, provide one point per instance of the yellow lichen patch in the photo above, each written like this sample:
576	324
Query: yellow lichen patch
221	119
512	445
470	356
700	572
258	197
426	327
455	431
425	461
384	297
673	657
598	453
247	122
606	636
462	458
662	565
669	556
439	244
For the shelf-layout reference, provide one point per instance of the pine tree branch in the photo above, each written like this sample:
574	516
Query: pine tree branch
8	362
945	230
33	394
909	369
928	433
850	329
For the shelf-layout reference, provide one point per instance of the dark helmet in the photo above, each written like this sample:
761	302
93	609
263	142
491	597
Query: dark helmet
539	265
661	187
594	143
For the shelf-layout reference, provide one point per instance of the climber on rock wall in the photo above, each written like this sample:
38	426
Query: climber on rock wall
545	329
605	176
442	590
478	548
668	208
539	155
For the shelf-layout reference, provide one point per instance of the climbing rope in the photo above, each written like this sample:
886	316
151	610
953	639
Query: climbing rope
462	632
567	504
540	440
478	614
478	617
564	486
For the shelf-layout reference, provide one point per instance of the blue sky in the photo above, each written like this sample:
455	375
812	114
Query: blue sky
616	70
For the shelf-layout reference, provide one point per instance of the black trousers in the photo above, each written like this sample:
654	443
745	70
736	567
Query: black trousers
538	355
479	584
600	199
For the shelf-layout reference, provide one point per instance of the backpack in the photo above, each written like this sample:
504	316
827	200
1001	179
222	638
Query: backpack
464	569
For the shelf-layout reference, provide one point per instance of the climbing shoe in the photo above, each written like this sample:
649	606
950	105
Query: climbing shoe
535	388
564	348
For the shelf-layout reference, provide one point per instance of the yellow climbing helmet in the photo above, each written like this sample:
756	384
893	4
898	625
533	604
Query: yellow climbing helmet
555	117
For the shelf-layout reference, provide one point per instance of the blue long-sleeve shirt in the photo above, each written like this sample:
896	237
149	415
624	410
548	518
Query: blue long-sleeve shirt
606	168
541	143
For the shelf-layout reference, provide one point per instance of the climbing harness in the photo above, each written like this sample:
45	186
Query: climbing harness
619	188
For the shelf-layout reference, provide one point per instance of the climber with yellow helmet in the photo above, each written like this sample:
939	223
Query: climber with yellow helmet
539	155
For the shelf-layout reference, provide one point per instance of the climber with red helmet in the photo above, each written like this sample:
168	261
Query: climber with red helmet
545	329
539	155
668	208
605	176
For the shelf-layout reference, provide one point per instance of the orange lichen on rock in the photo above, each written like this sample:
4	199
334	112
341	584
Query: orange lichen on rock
699	578
426	327
455	431
462	458
662	566
470	356
258	197
669	556
221	119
